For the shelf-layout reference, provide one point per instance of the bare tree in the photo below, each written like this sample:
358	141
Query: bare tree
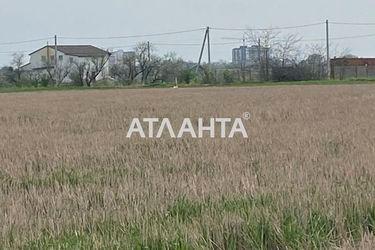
57	73
125	70
142	59
17	62
264	38
314	64
119	72
154	69
62	71
86	72
287	50
7	75
130	62
338	51
95	68
315	48
171	67
77	75
265	41
147	62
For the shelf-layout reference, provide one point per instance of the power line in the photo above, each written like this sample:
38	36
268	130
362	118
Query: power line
264	29
192	44
227	43
119	46
352	37
313	39
239	40
11	52
26	41
358	24
177	44
133	36
170	44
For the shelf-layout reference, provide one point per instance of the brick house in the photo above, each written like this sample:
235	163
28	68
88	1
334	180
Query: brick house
344	68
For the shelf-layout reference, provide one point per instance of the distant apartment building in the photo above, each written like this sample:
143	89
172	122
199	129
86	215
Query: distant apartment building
251	63
344	68
119	56
248	56
116	57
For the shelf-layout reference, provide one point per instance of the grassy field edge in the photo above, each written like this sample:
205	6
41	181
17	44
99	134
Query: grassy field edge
169	85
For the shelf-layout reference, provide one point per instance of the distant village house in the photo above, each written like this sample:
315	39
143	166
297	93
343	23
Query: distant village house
346	68
43	61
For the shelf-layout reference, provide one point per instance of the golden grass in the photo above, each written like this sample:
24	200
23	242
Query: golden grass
67	168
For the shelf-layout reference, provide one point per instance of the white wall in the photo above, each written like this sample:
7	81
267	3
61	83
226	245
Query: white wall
36	61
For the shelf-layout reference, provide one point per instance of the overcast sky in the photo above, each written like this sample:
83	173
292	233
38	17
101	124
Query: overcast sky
25	20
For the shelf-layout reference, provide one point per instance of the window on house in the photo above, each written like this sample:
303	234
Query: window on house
44	58
71	59
52	58
61	57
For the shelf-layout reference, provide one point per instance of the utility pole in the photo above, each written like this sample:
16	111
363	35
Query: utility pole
267	64
328	56
56	61
209	47
202	50
148	51
48	57
261	73
244	59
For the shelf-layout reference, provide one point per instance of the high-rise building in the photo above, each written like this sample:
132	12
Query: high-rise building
248	56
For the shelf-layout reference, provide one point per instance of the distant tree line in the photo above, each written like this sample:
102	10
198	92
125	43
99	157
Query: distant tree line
285	59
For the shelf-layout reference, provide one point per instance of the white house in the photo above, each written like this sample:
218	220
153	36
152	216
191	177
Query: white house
43	60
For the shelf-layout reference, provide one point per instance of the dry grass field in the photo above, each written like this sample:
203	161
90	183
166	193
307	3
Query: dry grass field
304	179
